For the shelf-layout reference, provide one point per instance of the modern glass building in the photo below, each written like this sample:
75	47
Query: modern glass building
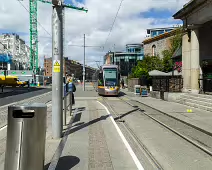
126	60
157	31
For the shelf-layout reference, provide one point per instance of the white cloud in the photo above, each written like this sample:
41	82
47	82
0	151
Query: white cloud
129	27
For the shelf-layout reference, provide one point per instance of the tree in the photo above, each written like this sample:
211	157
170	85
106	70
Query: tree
148	64
167	61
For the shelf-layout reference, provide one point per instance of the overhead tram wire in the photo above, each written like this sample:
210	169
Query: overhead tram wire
113	24
48	32
37	21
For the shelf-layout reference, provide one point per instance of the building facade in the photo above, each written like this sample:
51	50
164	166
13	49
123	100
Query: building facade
17	50
154	46
158	31
196	45
69	67
126	60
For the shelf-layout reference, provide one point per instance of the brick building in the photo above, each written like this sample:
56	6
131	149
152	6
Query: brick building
69	67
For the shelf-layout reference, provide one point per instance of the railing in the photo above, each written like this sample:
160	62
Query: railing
67	106
167	84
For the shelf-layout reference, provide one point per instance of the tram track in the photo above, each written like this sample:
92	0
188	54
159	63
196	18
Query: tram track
192	134
131	135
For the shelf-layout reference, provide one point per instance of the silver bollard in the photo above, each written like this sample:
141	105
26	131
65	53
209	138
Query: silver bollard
26	135
70	103
64	110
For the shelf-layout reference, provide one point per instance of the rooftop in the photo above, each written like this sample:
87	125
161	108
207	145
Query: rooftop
161	28
134	44
187	8
161	36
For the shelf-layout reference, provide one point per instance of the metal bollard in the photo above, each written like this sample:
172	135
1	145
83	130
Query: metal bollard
64	109
70	103
26	135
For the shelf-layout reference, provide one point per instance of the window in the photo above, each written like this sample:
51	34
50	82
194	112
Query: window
110	76
153	50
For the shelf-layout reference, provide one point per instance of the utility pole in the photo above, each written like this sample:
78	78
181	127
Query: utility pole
84	67
57	69
57	64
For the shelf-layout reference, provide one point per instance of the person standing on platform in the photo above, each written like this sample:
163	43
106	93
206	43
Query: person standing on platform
72	88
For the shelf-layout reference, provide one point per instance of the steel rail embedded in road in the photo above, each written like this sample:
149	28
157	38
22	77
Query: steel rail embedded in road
197	143
133	135
4	109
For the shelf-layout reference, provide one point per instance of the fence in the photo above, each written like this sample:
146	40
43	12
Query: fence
138	81
167	83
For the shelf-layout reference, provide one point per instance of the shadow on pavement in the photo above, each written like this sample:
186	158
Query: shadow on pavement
65	163
121	94
81	126
125	114
77	117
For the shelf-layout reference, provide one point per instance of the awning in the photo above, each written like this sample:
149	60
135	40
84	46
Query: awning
5	58
157	73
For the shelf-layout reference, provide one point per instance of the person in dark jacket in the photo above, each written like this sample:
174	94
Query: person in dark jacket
72	87
122	83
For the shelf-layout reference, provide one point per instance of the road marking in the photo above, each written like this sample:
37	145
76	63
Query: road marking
134	157
99	98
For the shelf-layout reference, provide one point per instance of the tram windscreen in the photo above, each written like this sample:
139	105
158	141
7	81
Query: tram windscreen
110	76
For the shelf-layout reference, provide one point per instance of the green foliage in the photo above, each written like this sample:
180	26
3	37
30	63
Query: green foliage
167	61
176	42
165	64
148	64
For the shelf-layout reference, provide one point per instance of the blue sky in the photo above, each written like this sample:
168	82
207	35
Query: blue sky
154	13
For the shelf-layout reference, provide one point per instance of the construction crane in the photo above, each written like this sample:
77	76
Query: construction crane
34	32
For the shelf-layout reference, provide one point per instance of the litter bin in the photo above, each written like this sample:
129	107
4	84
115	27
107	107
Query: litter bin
26	134
137	89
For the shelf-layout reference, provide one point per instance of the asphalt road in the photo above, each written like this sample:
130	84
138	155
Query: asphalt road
20	94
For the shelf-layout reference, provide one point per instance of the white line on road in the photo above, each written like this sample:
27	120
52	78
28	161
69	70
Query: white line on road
134	157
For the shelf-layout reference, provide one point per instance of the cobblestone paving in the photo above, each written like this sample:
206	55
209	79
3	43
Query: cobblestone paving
99	157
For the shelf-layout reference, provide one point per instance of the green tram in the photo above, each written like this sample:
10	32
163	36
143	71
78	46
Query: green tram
106	80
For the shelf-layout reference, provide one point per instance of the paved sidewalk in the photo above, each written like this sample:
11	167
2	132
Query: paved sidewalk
198	118
90	141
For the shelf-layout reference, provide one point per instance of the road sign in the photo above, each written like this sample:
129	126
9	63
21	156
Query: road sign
56	66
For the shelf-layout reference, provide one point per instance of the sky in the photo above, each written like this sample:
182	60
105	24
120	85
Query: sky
134	17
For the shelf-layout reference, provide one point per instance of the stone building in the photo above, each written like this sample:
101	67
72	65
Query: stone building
15	47
154	46
196	45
